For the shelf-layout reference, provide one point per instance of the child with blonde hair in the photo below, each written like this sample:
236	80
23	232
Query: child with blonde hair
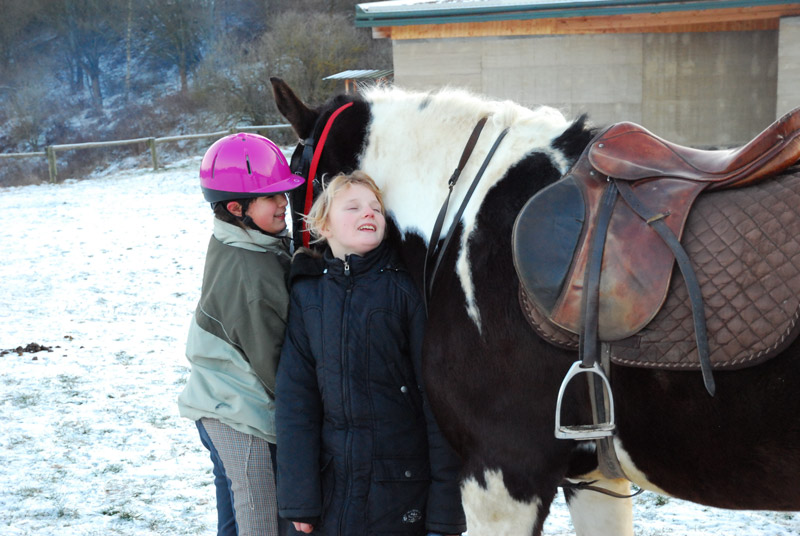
359	451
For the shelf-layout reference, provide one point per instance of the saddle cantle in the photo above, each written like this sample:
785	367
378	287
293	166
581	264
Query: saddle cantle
554	232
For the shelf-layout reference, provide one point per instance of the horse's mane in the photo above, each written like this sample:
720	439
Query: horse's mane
454	102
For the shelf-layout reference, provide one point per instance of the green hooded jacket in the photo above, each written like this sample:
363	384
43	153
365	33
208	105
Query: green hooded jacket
237	331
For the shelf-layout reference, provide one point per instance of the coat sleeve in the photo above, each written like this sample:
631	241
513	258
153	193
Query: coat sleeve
445	514
298	421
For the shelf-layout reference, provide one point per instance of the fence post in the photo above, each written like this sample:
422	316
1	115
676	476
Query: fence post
151	142
51	161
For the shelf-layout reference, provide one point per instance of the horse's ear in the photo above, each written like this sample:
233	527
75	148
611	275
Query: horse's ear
300	116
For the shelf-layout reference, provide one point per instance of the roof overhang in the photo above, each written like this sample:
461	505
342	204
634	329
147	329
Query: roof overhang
572	16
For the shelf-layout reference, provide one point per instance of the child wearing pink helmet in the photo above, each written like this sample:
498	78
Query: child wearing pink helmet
237	331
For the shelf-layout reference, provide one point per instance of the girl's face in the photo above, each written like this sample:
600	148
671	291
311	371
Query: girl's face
355	222
269	213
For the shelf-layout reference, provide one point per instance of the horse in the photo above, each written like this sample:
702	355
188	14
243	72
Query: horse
493	382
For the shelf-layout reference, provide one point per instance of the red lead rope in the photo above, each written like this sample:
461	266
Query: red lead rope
312	171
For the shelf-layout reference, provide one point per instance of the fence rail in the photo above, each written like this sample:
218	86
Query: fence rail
152	143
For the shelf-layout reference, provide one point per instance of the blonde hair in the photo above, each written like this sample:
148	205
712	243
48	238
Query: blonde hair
318	215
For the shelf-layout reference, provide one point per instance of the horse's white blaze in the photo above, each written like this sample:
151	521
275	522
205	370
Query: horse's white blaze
596	514
432	130
492	511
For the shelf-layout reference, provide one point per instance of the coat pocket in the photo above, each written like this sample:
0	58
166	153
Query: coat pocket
398	495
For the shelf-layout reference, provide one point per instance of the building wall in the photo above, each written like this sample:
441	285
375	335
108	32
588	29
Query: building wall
699	89
788	65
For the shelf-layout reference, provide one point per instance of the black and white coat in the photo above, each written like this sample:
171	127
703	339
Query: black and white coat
359	451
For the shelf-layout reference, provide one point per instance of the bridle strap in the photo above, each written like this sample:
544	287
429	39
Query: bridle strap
428	280
312	171
433	243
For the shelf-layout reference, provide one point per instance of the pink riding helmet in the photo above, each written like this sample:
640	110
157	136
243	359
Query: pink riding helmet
245	165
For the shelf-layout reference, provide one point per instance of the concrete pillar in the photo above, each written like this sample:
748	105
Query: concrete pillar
788	65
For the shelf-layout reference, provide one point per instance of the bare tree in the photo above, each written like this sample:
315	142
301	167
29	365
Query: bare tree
329	7
17	16
178	28
89	30
328	44
234	80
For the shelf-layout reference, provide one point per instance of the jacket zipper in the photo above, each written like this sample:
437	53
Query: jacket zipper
346	392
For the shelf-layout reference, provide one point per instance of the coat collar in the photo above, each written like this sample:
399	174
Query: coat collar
250	239
309	263
378	258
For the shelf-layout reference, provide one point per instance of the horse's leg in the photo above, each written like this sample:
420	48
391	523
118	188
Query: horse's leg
598	514
492	510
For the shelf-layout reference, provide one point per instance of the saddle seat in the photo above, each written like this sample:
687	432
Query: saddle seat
553	232
630	152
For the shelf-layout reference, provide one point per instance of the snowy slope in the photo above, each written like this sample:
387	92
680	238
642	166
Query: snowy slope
106	273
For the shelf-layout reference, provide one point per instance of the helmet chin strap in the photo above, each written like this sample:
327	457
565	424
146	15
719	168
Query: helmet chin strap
248	221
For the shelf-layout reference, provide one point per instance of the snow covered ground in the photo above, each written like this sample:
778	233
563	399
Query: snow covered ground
106	272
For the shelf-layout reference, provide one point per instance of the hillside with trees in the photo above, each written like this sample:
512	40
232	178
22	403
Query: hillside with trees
97	70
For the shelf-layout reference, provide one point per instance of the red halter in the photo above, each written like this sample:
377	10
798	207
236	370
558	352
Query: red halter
312	171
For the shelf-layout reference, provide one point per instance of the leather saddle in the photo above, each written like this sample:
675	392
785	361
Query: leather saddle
595	251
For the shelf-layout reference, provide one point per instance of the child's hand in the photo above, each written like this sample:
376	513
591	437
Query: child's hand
303	527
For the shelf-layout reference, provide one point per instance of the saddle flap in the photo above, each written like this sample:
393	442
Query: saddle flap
551	242
544	240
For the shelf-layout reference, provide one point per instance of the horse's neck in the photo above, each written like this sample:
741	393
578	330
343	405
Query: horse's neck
414	145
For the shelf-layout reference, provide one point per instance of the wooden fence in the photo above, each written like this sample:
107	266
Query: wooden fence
152	143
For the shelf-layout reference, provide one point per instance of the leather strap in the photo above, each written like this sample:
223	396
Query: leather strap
656	221
464	203
433	244
591	487
607	459
588	349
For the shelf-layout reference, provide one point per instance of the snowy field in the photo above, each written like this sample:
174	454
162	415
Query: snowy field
105	273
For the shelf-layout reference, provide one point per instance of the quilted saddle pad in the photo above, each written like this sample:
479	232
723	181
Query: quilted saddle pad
744	245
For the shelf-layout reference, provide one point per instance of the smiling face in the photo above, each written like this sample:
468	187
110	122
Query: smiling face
267	212
355	223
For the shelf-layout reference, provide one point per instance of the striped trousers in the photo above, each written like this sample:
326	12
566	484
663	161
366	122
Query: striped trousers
245	480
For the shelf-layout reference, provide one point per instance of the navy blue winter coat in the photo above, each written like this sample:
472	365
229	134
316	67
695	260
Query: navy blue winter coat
358	449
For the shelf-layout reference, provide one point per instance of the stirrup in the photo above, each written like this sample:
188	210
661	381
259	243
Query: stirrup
585	431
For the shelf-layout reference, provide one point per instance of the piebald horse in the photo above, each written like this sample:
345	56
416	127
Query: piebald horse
493	383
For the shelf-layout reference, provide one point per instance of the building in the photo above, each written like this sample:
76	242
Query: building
697	72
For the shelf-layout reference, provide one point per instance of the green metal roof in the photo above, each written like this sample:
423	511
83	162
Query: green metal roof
416	12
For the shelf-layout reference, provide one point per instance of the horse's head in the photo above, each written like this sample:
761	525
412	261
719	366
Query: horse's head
343	121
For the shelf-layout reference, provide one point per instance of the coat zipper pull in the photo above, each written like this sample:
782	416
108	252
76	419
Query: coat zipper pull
346	268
